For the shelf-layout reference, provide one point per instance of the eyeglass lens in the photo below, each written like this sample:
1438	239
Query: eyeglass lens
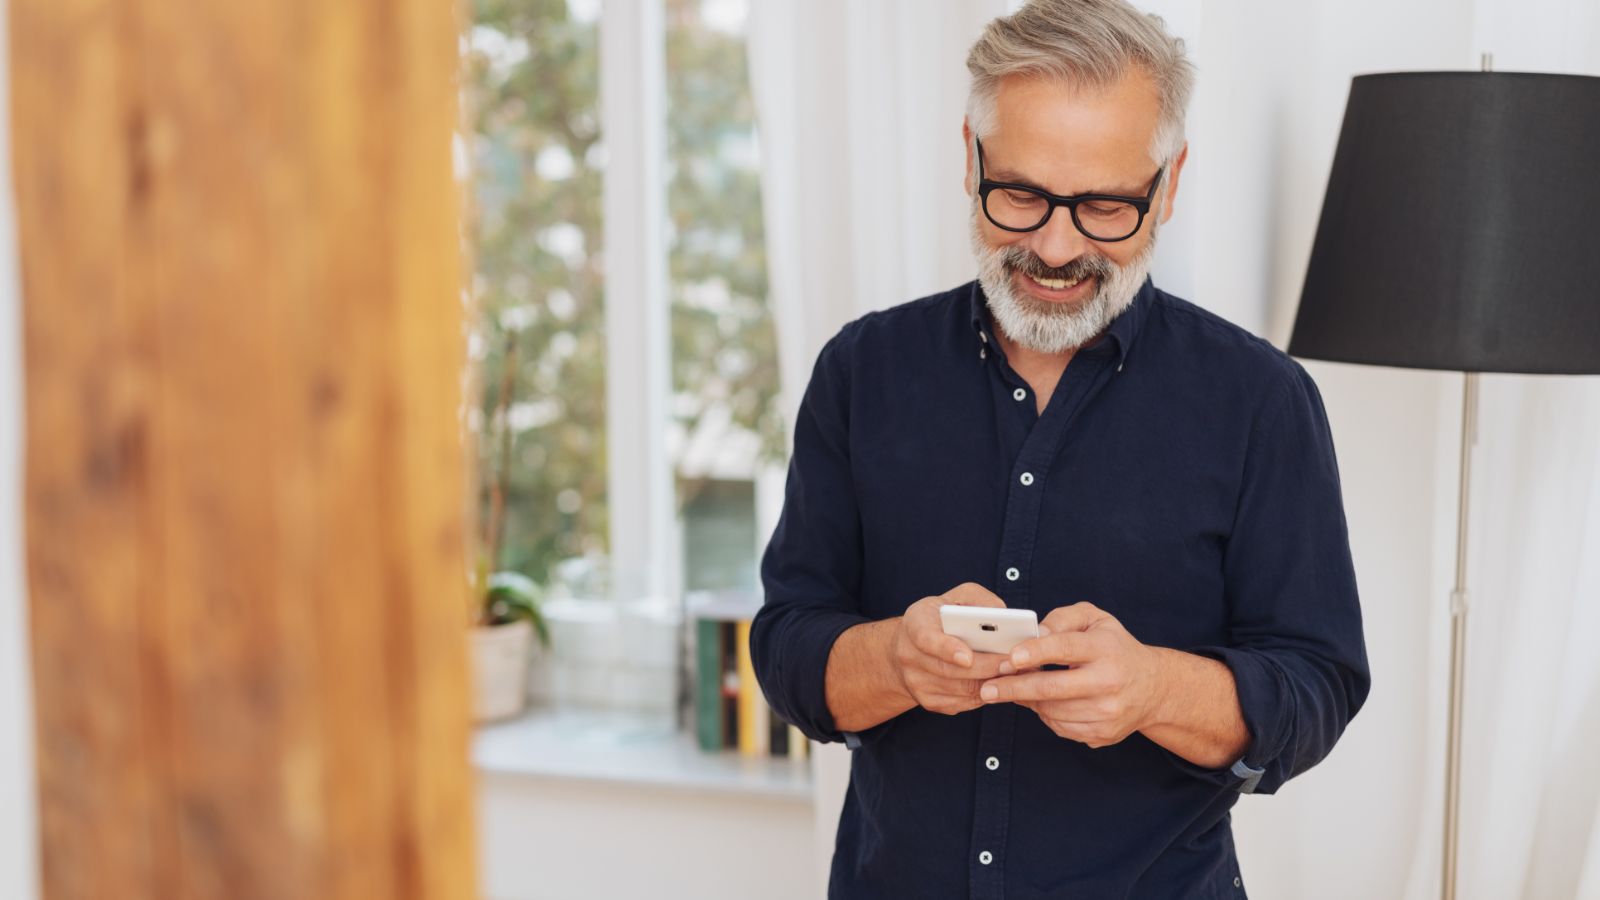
1021	210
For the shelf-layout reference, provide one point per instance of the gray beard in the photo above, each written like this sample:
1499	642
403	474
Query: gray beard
1048	327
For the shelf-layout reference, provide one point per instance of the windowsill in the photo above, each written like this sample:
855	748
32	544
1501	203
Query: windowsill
630	749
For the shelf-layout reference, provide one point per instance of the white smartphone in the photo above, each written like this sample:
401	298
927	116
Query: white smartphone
987	629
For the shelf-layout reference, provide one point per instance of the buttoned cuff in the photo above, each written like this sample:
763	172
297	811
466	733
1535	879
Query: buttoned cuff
1261	696
1248	777
1240	776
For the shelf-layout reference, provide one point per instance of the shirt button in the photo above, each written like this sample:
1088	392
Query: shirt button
986	857
1027	478
1237	883
992	763
1012	574
1019	394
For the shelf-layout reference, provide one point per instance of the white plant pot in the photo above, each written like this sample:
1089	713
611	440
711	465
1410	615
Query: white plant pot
500	669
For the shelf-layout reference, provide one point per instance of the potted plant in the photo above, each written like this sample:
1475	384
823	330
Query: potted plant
506	613
502	642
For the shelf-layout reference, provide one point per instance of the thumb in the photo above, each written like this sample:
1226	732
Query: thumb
1077	617
973	594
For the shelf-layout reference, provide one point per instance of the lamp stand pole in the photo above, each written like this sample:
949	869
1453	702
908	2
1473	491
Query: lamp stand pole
1458	642
1458	626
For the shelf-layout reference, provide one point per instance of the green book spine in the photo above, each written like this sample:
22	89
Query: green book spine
708	684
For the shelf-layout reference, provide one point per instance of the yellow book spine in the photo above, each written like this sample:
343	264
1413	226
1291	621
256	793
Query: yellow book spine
749	694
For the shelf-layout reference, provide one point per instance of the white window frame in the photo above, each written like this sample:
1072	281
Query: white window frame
641	492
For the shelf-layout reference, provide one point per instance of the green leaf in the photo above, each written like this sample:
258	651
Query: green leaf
512	596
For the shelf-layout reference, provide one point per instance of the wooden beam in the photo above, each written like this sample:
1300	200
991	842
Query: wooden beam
245	488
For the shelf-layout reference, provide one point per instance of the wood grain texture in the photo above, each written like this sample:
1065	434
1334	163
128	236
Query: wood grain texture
244	489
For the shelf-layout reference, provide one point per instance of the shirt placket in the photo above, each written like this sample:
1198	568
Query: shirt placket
1028	478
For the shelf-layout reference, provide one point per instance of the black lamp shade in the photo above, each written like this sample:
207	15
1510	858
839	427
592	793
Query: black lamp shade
1461	229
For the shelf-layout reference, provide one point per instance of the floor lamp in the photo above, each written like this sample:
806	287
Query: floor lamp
1461	231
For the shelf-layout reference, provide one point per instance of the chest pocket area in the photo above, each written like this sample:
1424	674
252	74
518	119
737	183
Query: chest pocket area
1148	550
930	510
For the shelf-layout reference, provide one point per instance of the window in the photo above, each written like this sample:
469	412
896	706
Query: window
532	100
726	423
628	361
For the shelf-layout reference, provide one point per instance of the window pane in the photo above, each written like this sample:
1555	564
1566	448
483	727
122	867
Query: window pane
727	422
532	93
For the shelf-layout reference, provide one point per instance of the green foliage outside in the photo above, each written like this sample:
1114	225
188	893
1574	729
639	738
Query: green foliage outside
532	89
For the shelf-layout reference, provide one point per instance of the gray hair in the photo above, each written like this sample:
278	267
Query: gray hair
1091	43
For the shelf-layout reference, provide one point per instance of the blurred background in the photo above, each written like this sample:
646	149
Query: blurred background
671	205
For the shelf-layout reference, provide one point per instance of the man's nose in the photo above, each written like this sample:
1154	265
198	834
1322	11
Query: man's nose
1058	241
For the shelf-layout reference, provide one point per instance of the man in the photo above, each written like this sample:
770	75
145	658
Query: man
1156	483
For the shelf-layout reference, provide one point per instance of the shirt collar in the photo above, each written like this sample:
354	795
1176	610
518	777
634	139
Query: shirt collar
1121	334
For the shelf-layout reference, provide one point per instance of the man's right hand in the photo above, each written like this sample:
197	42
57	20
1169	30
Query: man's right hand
938	670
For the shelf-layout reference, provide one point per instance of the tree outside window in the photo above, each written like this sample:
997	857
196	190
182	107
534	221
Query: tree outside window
538	157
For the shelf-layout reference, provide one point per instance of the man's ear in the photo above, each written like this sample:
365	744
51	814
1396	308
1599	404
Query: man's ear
966	174
1171	192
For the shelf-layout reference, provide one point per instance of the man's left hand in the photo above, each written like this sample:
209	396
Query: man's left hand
1112	689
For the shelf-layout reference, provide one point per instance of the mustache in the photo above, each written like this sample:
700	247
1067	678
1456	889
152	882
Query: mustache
1028	263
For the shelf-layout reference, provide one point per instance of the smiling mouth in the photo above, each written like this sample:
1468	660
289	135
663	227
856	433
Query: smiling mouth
1056	284
1057	290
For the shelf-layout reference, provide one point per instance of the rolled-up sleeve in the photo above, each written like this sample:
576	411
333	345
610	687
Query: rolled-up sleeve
811	570
1295	644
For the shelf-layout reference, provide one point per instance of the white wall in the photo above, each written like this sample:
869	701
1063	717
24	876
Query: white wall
1268	108
18	871
1274	79
553	839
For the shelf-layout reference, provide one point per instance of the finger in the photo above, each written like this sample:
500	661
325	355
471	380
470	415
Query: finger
1006	668
1090	735
972	594
1071	712
944	647
933	697
1070	648
947	690
1077	617
983	667
1056	685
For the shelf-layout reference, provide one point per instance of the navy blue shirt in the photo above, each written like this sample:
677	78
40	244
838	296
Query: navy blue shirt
1182	479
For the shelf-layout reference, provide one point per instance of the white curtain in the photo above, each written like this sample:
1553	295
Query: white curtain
1531	808
860	108
1532	727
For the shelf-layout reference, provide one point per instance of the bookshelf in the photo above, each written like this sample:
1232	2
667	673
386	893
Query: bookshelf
724	707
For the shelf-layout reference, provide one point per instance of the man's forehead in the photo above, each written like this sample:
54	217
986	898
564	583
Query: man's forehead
1072	138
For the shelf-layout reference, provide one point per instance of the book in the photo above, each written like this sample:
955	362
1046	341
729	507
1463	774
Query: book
754	716
708	684
729	710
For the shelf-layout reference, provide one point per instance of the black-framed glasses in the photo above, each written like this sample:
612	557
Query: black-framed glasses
1100	217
